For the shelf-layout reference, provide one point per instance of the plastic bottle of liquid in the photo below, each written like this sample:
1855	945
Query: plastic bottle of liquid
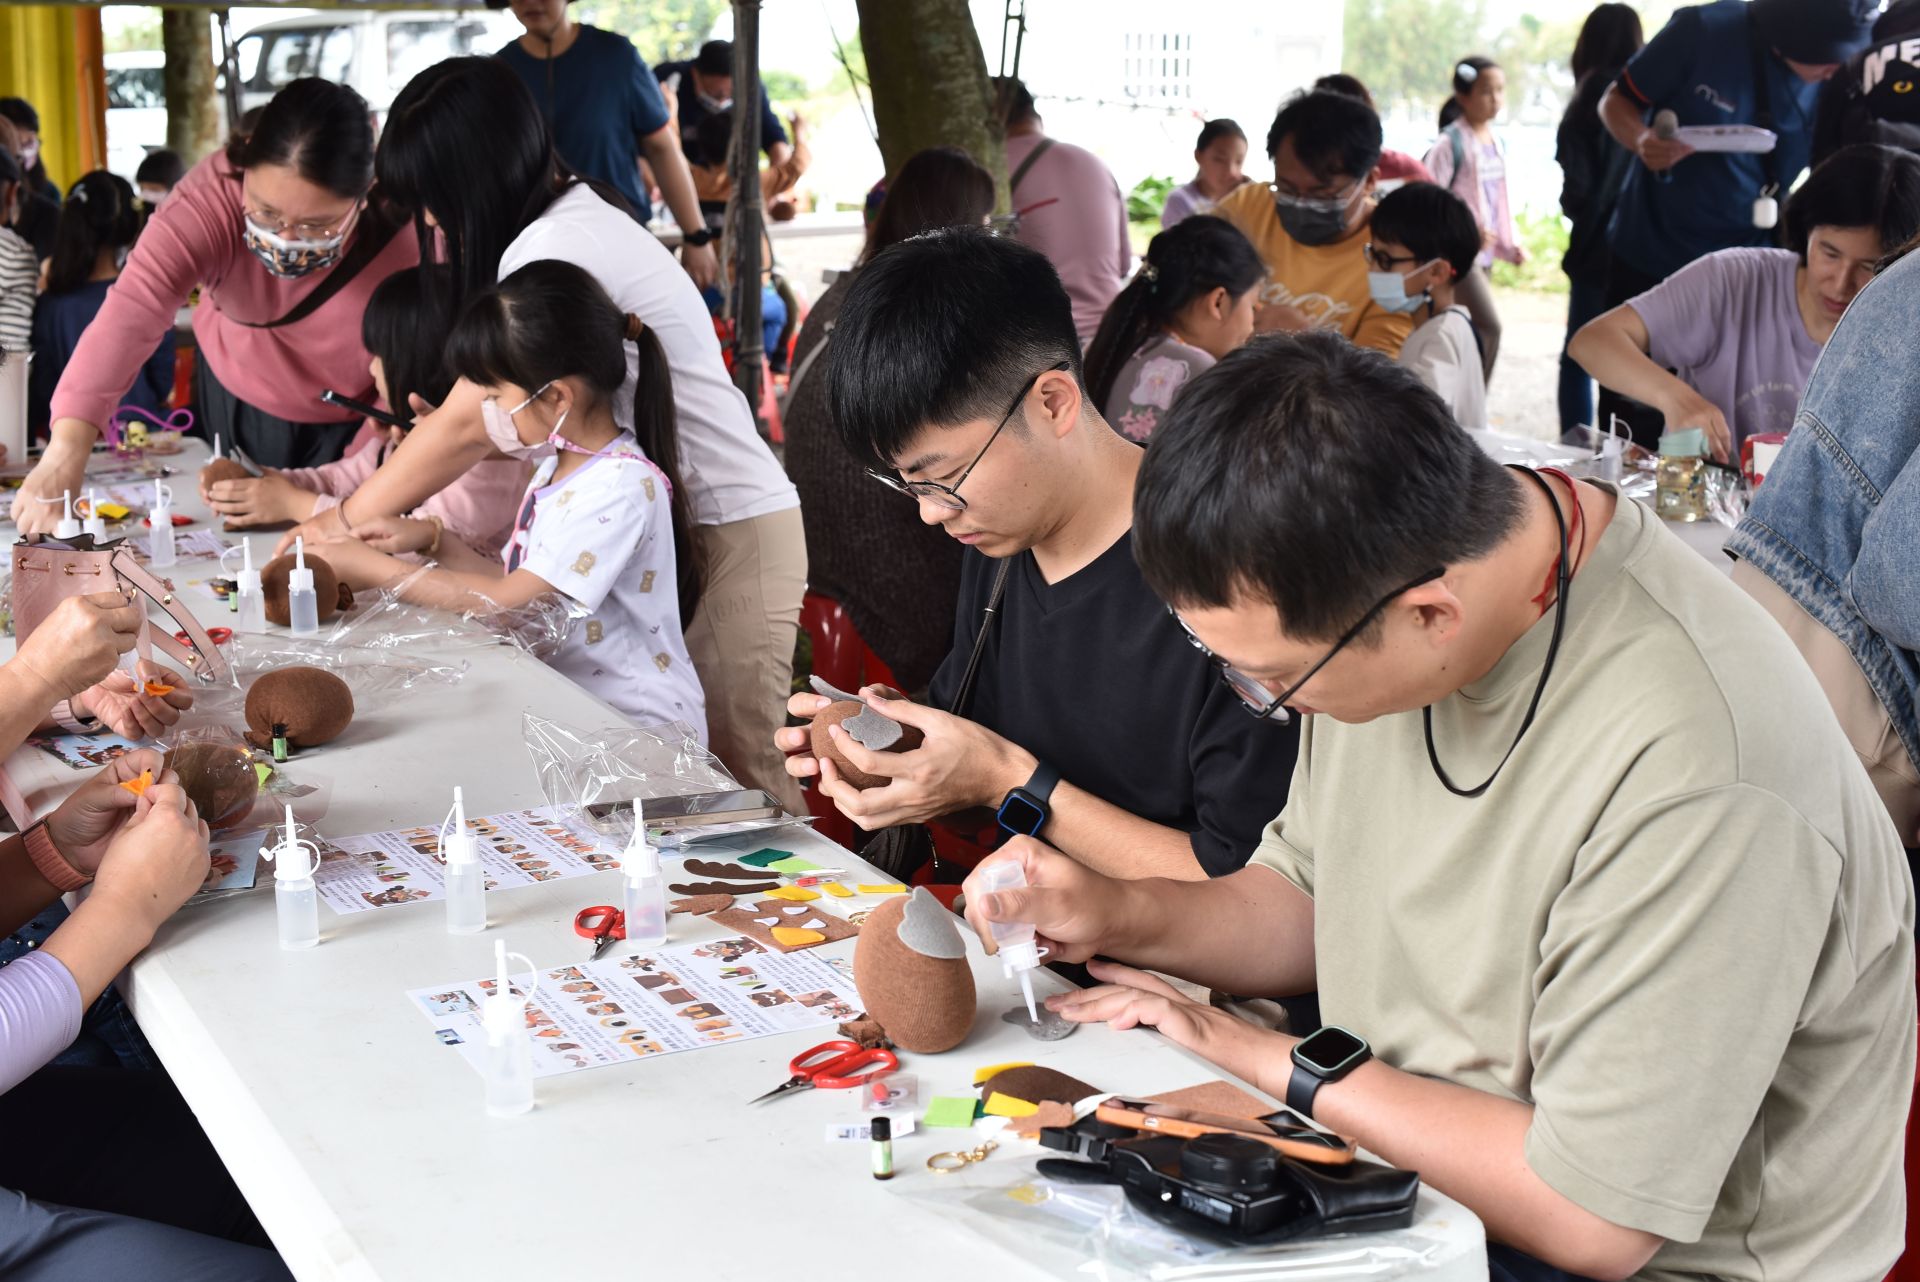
160	521
644	893
294	896
68	526
1019	954
466	879
303	604
95	524
509	1073
252	597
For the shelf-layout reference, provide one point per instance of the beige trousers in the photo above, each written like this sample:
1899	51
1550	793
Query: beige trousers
742	640
1864	718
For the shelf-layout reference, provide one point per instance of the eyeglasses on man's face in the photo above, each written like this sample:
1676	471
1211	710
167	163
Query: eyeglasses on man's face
1254	695
948	496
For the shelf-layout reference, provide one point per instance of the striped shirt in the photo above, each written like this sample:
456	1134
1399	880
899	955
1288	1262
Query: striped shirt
19	285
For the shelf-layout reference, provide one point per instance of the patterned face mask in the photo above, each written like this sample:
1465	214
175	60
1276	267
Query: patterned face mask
293	258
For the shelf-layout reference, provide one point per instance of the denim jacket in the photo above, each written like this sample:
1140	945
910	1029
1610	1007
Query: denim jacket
1837	522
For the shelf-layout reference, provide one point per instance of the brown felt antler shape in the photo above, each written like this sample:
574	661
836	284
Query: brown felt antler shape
911	969
725	872
696	889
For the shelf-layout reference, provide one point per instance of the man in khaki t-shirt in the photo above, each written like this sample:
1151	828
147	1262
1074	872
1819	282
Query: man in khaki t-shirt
1646	1002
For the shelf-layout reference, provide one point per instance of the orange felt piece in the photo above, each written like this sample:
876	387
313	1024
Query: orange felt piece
138	787
795	937
157	688
1048	1114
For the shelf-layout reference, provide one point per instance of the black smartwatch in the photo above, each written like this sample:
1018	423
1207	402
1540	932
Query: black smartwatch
1326	1056
703	236
1024	812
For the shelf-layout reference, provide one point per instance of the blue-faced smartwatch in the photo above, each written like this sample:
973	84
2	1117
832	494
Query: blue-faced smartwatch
1025	812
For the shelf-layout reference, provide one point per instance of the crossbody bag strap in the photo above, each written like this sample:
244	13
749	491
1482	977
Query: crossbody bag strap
200	657
1040	149
960	697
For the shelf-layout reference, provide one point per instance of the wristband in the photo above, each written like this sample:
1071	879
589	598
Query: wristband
68	718
439	528
52	864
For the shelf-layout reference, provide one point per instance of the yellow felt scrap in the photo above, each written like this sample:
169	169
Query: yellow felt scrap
885	888
999	1105
112	511
835	889
794	937
138	787
798	894
982	1074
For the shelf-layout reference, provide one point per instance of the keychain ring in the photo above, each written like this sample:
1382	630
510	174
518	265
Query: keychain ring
948	1163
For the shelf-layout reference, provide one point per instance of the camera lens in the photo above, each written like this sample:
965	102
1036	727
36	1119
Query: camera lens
1228	1161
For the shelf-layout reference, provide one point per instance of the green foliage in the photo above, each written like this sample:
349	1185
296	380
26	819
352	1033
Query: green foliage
1148	198
785	86
1404	50
1544	237
127	29
662	30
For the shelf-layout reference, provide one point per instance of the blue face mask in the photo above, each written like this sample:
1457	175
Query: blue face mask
1389	291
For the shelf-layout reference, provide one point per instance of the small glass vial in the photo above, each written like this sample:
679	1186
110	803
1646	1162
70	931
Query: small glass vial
1680	478
881	1129
303	604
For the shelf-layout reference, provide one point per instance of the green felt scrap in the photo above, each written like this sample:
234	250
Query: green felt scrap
765	858
263	772
951	1110
792	864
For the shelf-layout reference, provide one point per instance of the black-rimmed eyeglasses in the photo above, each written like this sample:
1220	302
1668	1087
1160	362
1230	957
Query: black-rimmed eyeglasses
1254	696
948	496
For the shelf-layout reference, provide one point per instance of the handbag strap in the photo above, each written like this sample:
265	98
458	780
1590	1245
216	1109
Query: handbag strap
959	705
200	656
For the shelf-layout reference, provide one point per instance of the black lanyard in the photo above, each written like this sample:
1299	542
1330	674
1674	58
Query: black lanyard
1563	579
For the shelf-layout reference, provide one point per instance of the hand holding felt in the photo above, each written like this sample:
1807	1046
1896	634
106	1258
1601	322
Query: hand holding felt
219	470
797	741
248	501
313	706
133	711
959	764
84	824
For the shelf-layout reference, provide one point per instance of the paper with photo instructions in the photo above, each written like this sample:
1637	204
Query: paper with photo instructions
656	1002
403	865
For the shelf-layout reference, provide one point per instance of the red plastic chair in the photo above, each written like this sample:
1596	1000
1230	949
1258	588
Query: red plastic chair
841	657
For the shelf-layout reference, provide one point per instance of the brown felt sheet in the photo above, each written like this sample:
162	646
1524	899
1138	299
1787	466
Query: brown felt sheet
746	921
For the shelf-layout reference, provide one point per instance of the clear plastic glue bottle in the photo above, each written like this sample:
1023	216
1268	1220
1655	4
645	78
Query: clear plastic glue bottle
295	897
509	1068
160	521
466	879
303	604
252	596
68	527
95	524
1019	953
644	891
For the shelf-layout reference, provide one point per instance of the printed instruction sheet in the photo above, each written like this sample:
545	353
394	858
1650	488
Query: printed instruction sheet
403	866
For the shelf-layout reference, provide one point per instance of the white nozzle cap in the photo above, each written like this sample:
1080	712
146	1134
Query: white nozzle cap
162	498
289	854
300	579
216	448
641	860
68	526
458	848
501	1014
1019	958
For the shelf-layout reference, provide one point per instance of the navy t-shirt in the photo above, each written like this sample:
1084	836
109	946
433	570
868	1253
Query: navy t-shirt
693	111
599	101
1700	66
58	321
1094	677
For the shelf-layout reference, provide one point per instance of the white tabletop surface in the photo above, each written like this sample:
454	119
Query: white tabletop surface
362	1142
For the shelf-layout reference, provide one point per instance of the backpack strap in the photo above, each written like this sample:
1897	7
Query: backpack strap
1013	183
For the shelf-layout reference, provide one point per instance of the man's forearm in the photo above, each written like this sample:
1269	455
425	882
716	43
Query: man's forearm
1622	117
662	148
1471	1146
1108	839
1249	933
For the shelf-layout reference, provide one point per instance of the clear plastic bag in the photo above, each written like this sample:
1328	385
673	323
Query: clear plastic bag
383	619
1093	1230
581	768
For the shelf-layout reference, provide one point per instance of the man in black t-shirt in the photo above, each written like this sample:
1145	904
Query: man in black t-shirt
1092	721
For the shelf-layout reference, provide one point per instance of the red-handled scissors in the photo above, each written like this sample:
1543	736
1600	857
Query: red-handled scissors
602	923
830	1066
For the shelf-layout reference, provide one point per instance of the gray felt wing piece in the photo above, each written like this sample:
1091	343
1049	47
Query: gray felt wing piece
871	730
928	928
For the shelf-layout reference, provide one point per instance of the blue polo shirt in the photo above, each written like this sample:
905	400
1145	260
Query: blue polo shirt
693	111
1700	67
599	101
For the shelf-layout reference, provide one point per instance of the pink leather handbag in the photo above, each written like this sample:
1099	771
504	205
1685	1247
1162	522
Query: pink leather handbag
47	572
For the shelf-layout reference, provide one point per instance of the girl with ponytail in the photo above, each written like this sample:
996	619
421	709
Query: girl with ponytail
1190	304
605	521
98	225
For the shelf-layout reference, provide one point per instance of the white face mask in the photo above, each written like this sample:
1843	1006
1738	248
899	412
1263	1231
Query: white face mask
498	420
292	258
1389	291
713	104
152	197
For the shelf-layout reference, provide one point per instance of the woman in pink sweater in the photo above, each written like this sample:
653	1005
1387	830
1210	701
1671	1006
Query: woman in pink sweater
279	236
406	337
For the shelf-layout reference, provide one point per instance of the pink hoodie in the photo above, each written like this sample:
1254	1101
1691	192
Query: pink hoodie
478	509
195	240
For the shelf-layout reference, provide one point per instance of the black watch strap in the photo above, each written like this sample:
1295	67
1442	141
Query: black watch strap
1041	783
698	237
1301	1088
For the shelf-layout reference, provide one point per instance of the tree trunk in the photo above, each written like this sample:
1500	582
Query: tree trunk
193	108
929	83
747	217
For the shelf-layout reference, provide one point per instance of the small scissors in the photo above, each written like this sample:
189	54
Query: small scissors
835	1072
602	923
